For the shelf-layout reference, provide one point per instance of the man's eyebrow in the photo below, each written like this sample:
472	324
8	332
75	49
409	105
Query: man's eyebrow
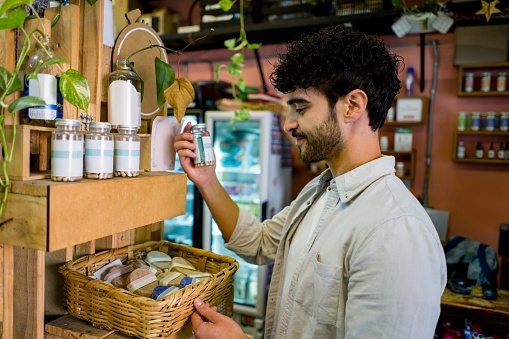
297	101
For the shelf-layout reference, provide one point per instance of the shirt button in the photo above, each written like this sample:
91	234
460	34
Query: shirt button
308	202
328	188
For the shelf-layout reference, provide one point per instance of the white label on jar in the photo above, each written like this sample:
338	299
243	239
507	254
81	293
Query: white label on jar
204	152
44	87
479	153
124	104
460	153
127	156
99	156
67	158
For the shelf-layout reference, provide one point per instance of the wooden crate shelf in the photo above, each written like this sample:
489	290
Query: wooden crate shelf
478	69
49	216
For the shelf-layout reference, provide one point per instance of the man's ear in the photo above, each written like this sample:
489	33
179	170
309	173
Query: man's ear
356	102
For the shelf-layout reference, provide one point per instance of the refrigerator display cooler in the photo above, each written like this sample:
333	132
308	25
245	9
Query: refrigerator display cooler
253	163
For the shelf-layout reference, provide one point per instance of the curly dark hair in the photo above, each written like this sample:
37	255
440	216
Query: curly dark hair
336	60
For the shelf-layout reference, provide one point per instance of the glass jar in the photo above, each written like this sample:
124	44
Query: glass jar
203	141
67	151
124	96
45	86
475	123
99	151
490	121
504	121
400	169
469	82
462	121
501	82
127	152
486	82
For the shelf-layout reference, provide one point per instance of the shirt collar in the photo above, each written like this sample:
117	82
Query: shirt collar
352	183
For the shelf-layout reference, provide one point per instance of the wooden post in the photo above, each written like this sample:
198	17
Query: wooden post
7	272
29	293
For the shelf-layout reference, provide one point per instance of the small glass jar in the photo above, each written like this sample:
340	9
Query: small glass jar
460	150
504	121
99	151
475	124
462	121
490	121
469	82
127	152
501	82
203	141
486	82
400	169
67	151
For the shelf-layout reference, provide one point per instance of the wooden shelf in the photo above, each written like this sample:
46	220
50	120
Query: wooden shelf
482	133
483	94
482	161
502	66
48	216
410	171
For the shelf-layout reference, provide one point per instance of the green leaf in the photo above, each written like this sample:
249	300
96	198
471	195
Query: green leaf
242	44
165	76
91	1
241	114
225	5
230	43
48	62
5	76
142	89
18	17
10	4
242	85
74	88
234	69
25	102
397	3
254	46
218	68
237	58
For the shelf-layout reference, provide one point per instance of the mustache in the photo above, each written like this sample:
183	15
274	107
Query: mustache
298	135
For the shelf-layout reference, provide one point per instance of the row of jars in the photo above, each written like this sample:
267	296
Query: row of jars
485	82
477	121
105	155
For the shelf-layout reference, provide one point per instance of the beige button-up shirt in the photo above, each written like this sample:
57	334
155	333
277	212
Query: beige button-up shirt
373	267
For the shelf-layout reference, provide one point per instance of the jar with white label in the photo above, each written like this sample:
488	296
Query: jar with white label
67	151
486	82
469	82
127	152
44	85
203	141
400	169
99	147
124	96
501	82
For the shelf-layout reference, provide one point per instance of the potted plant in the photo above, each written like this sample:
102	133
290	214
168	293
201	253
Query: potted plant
422	19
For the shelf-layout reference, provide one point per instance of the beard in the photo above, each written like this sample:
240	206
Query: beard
321	143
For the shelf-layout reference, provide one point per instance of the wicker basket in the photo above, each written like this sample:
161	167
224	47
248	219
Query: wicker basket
106	306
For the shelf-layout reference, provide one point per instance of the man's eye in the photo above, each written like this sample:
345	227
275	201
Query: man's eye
299	110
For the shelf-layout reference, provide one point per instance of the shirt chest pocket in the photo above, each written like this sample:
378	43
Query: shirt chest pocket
319	291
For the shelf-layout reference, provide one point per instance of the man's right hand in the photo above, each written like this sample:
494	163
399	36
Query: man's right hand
185	149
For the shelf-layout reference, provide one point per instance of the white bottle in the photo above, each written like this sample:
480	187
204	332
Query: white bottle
460	150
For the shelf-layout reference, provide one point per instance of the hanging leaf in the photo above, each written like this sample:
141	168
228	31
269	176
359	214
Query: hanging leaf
74	88
397	3
218	67
230	43
25	102
235	70
241	114
10	4
165	76
226	5
48	62
237	58
5	76
242	85
91	1
179	95
254	45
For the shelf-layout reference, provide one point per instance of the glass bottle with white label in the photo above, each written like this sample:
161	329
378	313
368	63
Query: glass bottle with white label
99	147
67	151
43	85
124	96
127	152
203	141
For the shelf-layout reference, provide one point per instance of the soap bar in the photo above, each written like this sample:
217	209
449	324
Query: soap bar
158	259
187	281
170	278
179	264
200	276
162	291
142	282
117	275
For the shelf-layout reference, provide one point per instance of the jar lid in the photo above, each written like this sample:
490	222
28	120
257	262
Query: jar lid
67	122
97	124
198	127
129	127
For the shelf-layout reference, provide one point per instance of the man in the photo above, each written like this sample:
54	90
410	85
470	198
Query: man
355	255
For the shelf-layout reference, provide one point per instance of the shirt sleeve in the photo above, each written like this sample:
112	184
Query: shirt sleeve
255	241
396	279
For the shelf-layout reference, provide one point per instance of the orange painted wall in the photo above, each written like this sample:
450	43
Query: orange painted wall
476	195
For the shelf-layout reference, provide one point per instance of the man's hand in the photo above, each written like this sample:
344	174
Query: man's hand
209	324
185	148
